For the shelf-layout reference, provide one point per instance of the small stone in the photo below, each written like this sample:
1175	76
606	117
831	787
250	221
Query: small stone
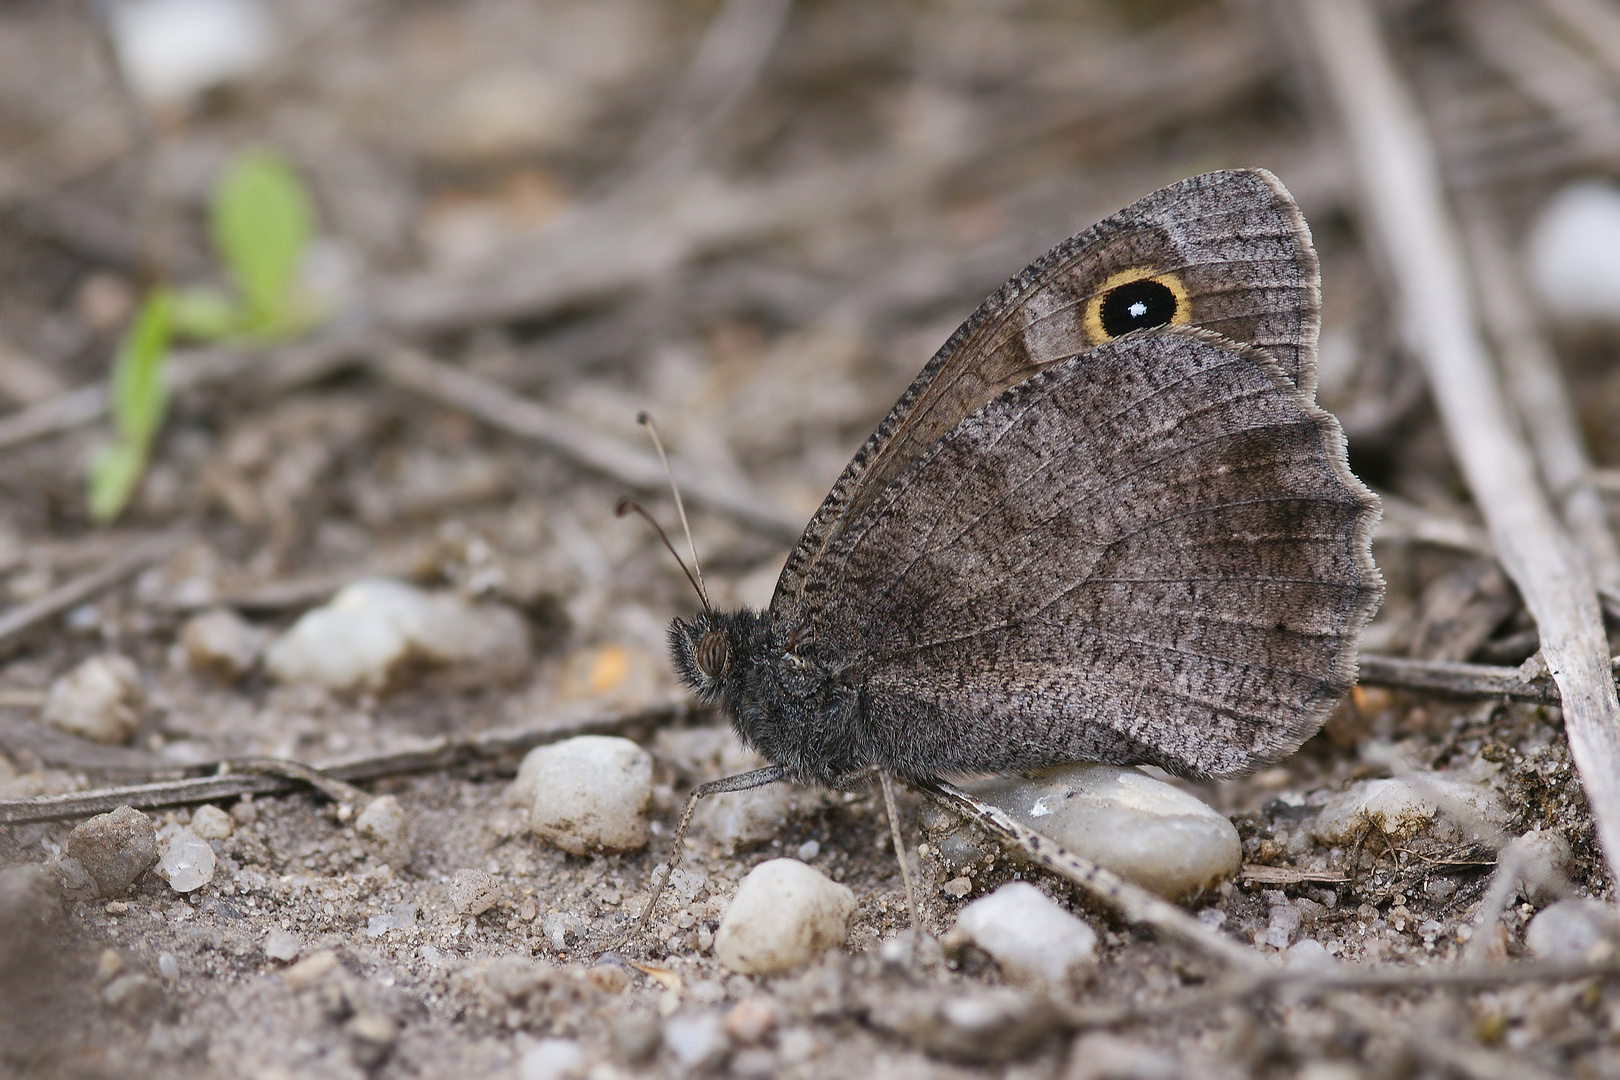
99	700
552	1059
187	862
808	850
310	970
394	917
1574	252
173	50
696	1042
168	966
1574	929
1035	941
109	965
371	1038
473	892
636	1035
562	929
609	977
784	913
957	887
375	627
212	823
221	643
591	794
748	1022
114	848
281	945
134	995
1143	829
1400	807
384	824
245	811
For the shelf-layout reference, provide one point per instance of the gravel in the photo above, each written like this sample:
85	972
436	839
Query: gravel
591	794
784	913
99	700
1032	939
114	848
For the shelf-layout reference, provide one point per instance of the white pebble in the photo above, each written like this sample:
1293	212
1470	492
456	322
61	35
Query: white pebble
1394	806
99	700
212	823
1574	929
1035	941
1143	829
394	917
221	643
281	945
171	50
1574	252
591	794
1285	919
552	1059
473	892
696	1042
784	913
383	822
808	850
562	928
375	626
187	861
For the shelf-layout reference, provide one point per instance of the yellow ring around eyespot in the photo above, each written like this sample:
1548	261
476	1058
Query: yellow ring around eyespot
1095	333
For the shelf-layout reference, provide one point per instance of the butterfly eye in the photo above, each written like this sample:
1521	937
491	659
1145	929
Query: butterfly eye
712	654
1136	300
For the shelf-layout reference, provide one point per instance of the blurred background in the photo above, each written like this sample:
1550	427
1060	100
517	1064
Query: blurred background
318	290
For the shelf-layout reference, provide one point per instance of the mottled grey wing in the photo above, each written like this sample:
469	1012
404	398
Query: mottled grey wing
1155	551
1230	247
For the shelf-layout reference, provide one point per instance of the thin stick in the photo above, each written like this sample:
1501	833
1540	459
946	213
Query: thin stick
899	847
740	782
441	754
1457	679
1406	212
65	597
645	420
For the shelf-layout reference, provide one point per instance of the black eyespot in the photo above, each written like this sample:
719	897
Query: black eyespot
1136	305
712	654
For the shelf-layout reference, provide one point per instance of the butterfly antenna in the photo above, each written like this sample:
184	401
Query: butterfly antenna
630	506
645	420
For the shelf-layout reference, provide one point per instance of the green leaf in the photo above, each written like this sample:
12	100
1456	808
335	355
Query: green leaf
205	314
139	386
114	474
261	221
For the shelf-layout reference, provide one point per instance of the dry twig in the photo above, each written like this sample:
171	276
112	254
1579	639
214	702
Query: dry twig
271	776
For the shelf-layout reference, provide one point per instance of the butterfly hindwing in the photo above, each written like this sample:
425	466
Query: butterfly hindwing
1228	251
1159	538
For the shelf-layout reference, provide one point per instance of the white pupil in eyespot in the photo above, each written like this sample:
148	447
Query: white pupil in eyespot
1137	310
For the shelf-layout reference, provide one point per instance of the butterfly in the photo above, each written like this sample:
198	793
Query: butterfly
1107	522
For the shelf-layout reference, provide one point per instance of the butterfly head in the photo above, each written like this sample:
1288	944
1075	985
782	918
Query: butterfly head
707	648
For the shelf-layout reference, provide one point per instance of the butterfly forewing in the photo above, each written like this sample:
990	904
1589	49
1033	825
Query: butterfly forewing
1159	538
1226	250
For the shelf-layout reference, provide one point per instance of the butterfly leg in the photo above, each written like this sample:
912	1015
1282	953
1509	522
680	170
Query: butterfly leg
740	782
899	847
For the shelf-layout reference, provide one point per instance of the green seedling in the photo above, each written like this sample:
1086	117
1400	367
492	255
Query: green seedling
260	220
139	398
